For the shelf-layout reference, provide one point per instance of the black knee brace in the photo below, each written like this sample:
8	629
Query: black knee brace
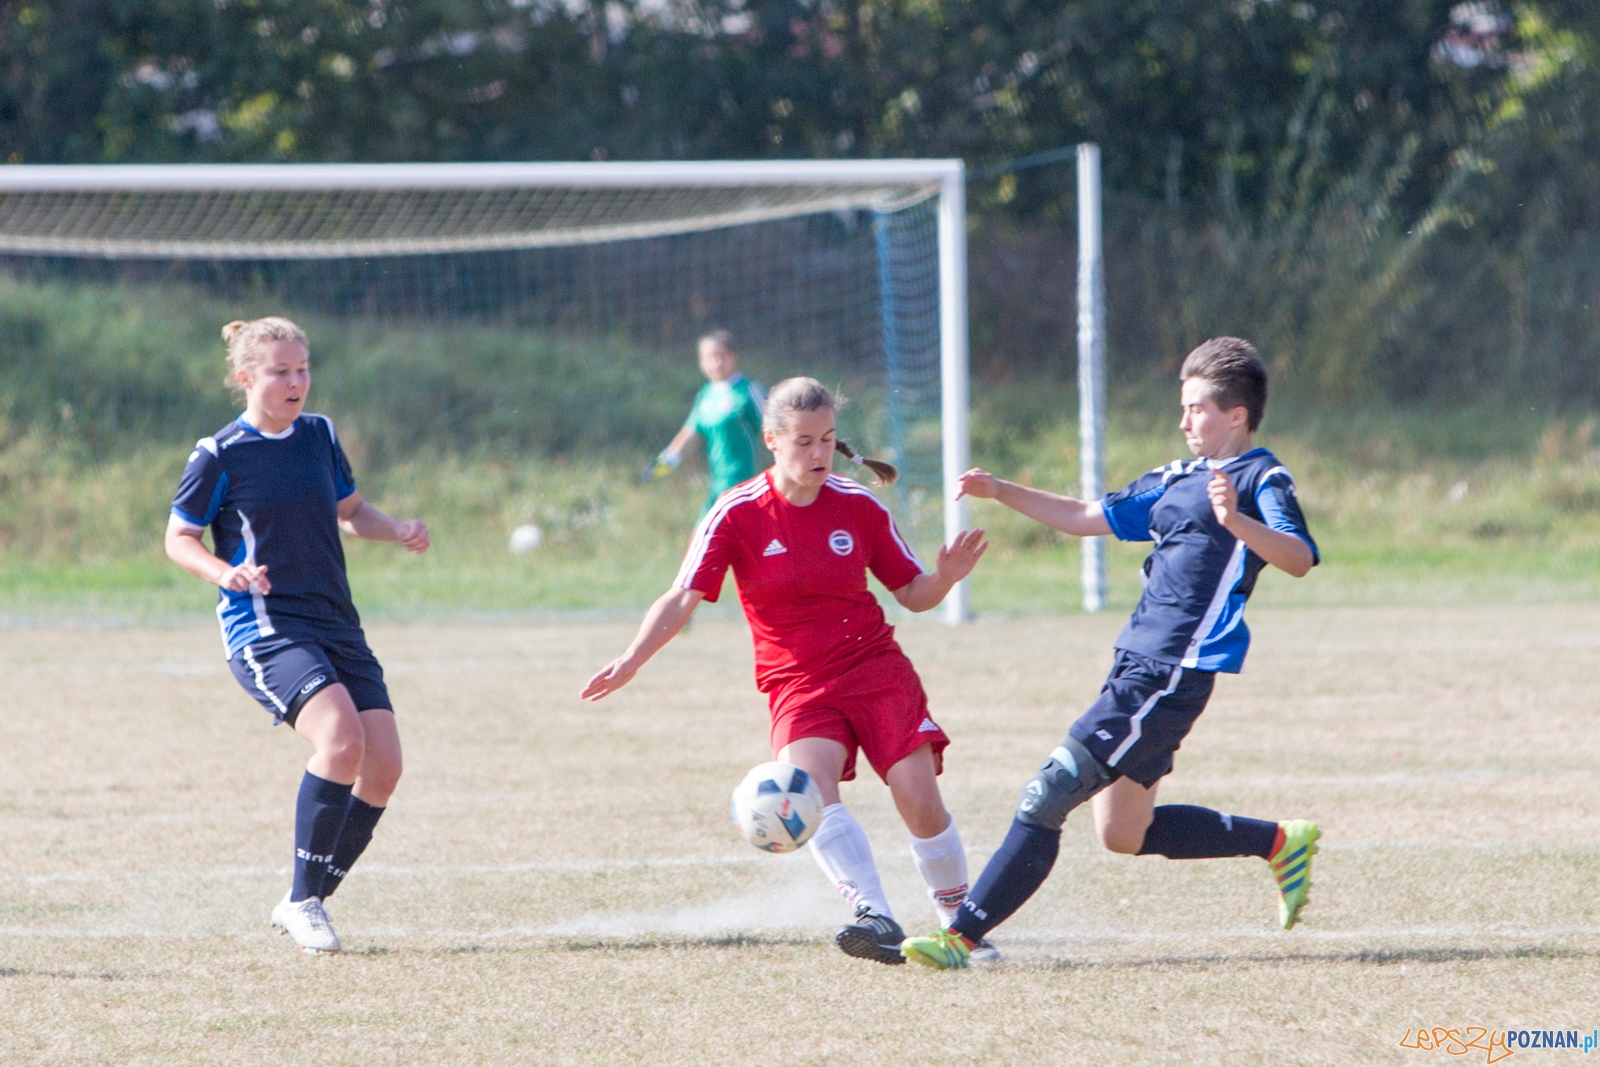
1067	779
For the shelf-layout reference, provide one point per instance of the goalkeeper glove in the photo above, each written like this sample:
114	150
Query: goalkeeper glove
667	462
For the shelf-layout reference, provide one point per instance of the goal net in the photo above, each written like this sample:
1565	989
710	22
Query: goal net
528	309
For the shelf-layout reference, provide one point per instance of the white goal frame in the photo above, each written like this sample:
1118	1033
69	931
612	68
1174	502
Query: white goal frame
948	174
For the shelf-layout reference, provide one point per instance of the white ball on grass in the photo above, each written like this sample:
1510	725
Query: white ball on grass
526	538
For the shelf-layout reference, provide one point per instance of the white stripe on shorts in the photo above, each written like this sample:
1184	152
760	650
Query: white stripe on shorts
1136	724
261	680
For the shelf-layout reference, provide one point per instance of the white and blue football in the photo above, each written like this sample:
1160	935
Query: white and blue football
777	807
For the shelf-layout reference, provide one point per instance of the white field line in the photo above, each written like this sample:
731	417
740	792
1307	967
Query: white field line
975	858
1202	779
1508	933
1194	941
426	870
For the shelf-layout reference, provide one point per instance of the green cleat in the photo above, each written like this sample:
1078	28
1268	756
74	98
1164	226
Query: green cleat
1291	866
944	950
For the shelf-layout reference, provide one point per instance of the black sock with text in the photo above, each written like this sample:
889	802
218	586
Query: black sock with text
1018	868
360	818
318	818
1189	832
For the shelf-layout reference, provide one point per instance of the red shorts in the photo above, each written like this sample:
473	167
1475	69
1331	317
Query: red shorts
877	705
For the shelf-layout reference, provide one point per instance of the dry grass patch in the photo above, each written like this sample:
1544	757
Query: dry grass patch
557	883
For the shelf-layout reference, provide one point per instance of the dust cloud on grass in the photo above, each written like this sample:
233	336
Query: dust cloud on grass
558	883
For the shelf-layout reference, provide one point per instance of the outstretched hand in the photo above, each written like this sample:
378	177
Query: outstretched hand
957	559
612	676
979	483
1224	497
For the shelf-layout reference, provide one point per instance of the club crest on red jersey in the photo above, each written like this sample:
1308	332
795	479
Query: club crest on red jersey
841	542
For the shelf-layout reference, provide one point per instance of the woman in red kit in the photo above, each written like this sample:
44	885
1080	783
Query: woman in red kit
800	541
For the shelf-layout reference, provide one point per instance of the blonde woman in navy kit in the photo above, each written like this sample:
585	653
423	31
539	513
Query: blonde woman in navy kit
275	489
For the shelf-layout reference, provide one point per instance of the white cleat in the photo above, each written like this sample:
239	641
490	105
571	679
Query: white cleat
306	922
984	954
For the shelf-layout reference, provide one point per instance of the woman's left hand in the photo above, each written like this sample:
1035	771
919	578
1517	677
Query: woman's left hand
958	558
413	535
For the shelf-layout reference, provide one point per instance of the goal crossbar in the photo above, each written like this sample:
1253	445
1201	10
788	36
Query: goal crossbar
226	211
371	210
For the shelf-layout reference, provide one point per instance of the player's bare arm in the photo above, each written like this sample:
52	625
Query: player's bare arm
681	440
956	561
1081	518
360	519
1284	551
185	548
661	624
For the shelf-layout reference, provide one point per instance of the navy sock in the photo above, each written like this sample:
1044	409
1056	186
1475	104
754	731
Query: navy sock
318	816
1018	867
359	820
1188	832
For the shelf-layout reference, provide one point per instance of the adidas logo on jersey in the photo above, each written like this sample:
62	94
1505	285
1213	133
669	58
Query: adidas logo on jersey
775	548
928	726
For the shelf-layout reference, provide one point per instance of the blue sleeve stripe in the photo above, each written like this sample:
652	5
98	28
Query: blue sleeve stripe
215	504
1277	518
348	491
1123	515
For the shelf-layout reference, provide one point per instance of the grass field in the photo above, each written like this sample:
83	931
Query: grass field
556	883
1404	510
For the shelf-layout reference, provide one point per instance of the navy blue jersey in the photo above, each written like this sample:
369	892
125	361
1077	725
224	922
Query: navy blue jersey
273	499
1198	577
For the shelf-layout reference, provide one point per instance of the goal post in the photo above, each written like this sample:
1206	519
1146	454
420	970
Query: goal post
369	226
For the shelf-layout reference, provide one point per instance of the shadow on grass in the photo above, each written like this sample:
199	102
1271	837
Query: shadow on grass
1367	957
1373	957
92	976
722	942
538	944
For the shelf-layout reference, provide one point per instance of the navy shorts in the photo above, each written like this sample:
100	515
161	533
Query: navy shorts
282	673
1143	713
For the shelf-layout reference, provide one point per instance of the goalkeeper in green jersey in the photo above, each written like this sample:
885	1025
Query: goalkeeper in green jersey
727	413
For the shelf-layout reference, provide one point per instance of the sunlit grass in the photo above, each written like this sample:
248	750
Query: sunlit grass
83	538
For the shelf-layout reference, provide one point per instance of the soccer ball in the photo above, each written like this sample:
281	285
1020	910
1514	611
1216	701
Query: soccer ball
526	539
777	807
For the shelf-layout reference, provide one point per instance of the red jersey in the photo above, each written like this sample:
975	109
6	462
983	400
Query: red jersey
802	574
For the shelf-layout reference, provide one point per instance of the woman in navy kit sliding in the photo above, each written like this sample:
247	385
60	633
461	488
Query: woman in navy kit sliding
274	487
1216	521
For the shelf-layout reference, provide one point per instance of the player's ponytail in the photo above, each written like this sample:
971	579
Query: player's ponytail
808	394
245	341
886	472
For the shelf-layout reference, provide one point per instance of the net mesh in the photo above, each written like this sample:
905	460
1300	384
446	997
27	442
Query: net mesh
527	320
339	223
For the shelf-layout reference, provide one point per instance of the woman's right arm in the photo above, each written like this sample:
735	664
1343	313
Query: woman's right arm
1081	518
185	548
680	440
661	624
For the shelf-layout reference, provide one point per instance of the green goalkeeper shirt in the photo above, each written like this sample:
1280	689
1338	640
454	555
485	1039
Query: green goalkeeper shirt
728	415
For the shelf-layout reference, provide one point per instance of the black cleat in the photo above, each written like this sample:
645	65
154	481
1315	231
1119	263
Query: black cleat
871	937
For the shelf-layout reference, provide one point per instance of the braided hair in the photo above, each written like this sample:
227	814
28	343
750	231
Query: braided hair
808	394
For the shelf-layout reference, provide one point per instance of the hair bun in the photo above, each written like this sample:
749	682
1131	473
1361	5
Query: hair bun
232	330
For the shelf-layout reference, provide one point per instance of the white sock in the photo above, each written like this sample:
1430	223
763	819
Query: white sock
942	862
842	851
